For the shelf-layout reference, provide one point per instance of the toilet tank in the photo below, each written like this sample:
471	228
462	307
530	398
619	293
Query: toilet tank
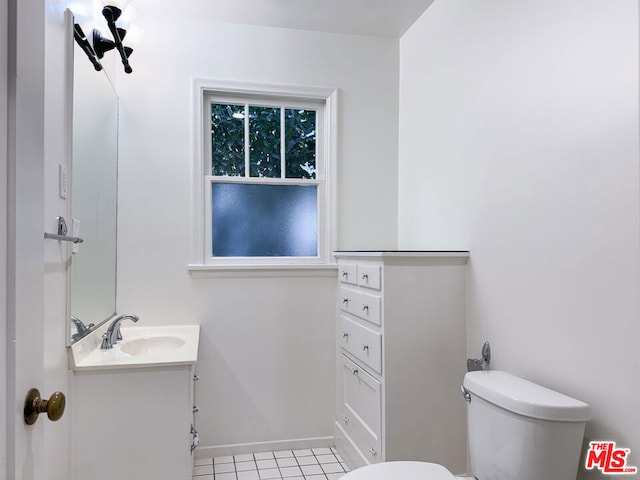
519	430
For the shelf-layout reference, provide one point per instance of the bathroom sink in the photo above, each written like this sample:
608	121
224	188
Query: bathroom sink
142	346
151	345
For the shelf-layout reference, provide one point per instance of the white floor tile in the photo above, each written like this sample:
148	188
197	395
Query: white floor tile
269	473
302	453
243	458
224	468
290	472
244	466
301	464
307	460
263	455
321	451
225	459
287	462
249	475
327	458
264	464
332	468
226	476
311	470
283	454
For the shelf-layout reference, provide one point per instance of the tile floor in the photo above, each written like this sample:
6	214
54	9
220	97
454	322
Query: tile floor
311	464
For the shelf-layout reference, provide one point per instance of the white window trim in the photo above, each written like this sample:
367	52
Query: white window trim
200	263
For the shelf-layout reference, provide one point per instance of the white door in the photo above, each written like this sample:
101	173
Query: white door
29	341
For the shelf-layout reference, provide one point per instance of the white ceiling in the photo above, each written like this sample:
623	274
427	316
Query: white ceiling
385	18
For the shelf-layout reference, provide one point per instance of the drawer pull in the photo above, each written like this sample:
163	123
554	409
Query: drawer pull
365	276
345	274
365	347
354	371
345	300
196	409
196	378
365	308
345	334
346	419
373	452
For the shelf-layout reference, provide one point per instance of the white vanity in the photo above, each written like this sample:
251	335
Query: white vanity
401	357
133	405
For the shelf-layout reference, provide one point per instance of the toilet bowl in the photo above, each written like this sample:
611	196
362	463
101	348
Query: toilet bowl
400	471
517	430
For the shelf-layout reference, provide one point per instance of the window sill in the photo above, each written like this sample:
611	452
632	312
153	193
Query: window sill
254	271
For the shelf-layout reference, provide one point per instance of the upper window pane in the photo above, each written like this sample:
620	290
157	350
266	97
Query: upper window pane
227	140
300	143
264	142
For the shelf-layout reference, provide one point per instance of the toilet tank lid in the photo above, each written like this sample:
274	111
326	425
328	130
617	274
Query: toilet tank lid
525	398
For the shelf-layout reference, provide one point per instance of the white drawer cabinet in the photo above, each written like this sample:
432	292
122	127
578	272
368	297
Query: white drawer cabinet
401	349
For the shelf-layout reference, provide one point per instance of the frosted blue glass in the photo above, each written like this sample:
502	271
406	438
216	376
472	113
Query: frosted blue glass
250	220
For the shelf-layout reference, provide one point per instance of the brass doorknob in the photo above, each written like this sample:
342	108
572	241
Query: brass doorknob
34	405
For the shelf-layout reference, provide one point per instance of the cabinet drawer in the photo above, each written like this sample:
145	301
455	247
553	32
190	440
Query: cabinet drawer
361	402
360	304
369	276
369	450
348	273
361	342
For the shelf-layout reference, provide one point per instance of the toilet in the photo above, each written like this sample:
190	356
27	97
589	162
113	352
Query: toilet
518	430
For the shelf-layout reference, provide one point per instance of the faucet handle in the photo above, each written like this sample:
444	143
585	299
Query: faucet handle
106	341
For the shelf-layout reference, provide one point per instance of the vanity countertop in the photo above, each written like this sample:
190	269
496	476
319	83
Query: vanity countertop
141	347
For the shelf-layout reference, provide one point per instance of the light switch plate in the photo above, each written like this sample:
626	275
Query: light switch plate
63	183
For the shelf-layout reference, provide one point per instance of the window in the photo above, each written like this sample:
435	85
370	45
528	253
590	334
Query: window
265	174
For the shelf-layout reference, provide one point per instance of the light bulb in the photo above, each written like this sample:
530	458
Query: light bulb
133	36
128	17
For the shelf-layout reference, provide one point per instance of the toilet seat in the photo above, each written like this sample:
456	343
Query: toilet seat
400	471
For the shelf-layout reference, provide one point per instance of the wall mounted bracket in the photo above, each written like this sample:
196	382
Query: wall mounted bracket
475	364
62	233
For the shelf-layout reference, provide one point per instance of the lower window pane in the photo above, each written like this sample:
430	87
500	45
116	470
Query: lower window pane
250	220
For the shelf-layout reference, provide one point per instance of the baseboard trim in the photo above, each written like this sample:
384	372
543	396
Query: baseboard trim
240	448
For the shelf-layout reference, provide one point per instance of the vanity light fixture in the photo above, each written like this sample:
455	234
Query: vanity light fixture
112	11
81	39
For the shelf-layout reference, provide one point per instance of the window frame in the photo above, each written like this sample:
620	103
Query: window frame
324	101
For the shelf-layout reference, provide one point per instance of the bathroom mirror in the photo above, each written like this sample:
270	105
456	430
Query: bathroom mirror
93	194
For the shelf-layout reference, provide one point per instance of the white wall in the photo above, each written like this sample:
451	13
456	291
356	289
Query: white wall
266	359
519	142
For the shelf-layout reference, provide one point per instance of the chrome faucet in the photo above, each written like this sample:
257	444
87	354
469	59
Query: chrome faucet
113	334
81	328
